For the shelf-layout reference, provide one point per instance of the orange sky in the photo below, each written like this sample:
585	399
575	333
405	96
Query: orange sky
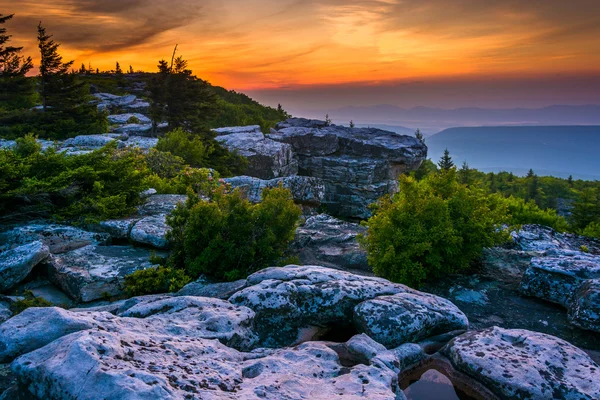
264	44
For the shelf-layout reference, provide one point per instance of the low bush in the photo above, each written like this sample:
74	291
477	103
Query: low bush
155	280
28	301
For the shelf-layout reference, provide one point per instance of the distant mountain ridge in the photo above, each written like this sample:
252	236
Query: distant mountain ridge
432	120
549	150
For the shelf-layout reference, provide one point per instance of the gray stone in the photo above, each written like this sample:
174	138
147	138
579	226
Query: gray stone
117	228
300	122
526	365
556	278
95	272
267	159
221	290
125	118
330	242
5	312
305	190
253	129
289	300
133	129
58	238
151	231
539	238
17	263
139	142
83	142
160	204
584	309
407	318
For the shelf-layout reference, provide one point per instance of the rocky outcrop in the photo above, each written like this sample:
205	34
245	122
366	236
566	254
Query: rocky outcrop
17	263
58	238
305	190
151	231
95	272
328	241
357	165
267	159
525	365
407	318
584	310
220	290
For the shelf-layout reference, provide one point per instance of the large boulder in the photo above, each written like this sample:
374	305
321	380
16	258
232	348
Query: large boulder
58	238
584	309
220	290
95	272
330	242
540	239
357	165
292	300
160	204
557	277
520	364
305	190
267	159
407	317
17	263
151	231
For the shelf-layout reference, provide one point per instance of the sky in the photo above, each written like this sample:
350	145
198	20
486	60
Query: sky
322	54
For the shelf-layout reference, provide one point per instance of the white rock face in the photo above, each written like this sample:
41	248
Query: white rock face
407	318
58	238
520	364
125	118
305	190
94	272
17	263
151	231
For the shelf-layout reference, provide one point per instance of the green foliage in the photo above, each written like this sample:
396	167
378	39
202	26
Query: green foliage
197	179
100	185
592	230
228	237
523	212
584	248
446	162
28	301
431	228
198	152
586	209
155	280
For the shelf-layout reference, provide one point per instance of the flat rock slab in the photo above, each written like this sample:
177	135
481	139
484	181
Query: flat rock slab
17	263
290	299
407	318
221	290
540	238
95	272
520	364
151	231
160	204
557	277
58	238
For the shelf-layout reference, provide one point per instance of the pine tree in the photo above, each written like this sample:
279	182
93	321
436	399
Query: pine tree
464	173
446	162
16	90
118	69
352	124
530	173
82	69
570	181
180	98
327	120
130	69
419	136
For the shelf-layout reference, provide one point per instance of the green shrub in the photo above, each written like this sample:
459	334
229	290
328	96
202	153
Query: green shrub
155	280
164	164
431	229
592	230
199	180
228	237
133	120
28	301
186	146
523	212
82	188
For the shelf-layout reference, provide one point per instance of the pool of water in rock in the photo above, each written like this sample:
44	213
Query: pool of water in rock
434	385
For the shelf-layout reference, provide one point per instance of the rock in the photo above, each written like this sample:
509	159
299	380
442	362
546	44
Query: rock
160	204
58	238
539	238
357	165
305	190
43	289
133	129
89	142
126	118
252	129
95	272
556	278
17	263
325	240
36	327
139	142
151	231
291	299
117	228
526	365
407	318
5	312
267	159
584	309
221	290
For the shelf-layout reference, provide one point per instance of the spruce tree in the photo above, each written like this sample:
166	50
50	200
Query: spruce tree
419	136
352	124
118	69
446	162
464	174
130	69
16	90
64	98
